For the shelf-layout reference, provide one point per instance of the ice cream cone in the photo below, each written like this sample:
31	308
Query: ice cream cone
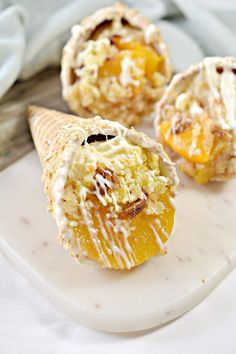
45	125
55	135
203	98
58	137
87	93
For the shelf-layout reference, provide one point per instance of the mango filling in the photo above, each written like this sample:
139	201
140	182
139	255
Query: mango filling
198	142
118	204
133	64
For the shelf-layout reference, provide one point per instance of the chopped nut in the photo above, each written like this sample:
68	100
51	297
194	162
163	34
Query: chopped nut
180	125
109	179
221	133
132	209
219	69
114	38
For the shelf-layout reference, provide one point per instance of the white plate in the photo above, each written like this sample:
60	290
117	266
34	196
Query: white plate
201	252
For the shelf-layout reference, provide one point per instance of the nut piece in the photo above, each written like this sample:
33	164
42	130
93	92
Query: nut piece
106	179
221	133
219	69
132	209
180	125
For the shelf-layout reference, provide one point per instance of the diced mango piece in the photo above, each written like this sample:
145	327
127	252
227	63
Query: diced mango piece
112	66
201	175
135	249
144	57
197	145
194	143
152	61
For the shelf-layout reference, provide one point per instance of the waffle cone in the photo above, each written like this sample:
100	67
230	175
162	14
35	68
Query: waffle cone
57	136
83	33
45	125
205	76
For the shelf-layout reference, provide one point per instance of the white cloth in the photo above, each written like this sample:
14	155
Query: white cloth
29	324
32	32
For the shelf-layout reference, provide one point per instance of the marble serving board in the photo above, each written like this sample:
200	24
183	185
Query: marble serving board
201	252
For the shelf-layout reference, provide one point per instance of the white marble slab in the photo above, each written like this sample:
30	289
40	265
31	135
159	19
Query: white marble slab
201	253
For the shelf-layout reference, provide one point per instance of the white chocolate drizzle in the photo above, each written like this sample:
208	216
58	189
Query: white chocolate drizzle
107	244
228	90
182	101
151	33
158	223
158	239
93	232
120	248
112	248
172	202
222	85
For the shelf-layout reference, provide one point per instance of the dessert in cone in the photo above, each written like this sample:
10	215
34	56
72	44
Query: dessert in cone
110	188
196	119
116	65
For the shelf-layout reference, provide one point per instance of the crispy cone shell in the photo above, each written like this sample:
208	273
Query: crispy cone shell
180	83
58	135
82	33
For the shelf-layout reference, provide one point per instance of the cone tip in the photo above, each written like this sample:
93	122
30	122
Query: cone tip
31	110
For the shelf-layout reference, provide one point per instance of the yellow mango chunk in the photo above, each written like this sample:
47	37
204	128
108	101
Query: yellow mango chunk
194	143
148	234
197	145
201	175
152	61
205	172
145	58
111	67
